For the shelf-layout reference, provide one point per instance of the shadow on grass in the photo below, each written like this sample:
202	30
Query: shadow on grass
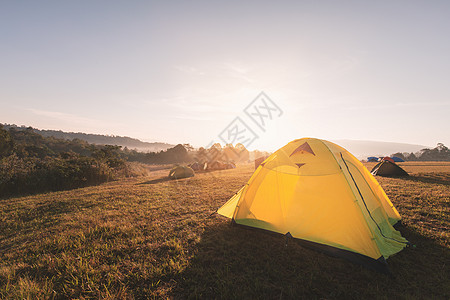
163	179
39	190
234	262
166	178
434	178
157	180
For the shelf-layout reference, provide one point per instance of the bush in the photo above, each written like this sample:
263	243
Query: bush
33	175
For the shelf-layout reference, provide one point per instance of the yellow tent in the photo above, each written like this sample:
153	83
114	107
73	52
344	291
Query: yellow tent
181	172
318	192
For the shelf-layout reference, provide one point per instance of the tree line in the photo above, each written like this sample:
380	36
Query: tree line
97	139
33	163
438	153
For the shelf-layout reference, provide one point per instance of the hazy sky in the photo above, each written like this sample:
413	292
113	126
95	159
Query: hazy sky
181	71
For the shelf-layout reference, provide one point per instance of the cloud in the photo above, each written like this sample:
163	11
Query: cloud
397	105
238	71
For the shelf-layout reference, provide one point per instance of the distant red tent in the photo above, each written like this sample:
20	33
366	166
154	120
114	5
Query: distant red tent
259	161
388	159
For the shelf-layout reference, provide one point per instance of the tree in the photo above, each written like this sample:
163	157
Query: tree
441	147
244	155
399	155
215	152
177	154
110	155
411	157
6	143
188	147
439	153
202	155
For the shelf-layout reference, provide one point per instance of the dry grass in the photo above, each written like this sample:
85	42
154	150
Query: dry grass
153	238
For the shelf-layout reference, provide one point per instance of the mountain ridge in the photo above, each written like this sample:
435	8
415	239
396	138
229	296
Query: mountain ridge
99	139
364	148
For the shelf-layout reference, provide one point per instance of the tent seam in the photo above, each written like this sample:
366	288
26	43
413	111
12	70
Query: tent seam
356	200
365	205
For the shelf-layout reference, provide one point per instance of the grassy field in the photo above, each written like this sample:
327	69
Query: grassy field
148	237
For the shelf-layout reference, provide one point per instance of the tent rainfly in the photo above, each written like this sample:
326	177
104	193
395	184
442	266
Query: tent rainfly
196	166
397	159
321	195
387	158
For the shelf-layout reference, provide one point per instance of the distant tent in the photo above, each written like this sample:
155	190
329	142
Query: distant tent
372	158
196	166
259	161
231	165
218	165
181	172
388	159
214	165
388	169
397	159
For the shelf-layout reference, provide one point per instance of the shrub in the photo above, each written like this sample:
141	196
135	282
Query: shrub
33	175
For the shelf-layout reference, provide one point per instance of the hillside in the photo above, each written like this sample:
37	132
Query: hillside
150	237
100	139
32	163
363	149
